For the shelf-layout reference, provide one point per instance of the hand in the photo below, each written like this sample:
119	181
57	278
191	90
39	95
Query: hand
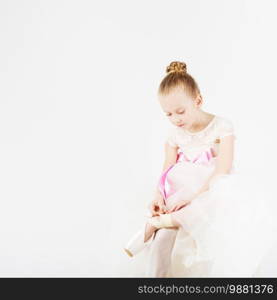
179	205
157	207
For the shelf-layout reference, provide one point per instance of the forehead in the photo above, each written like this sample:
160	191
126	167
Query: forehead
175	100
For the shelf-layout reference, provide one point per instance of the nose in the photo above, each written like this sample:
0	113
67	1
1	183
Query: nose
176	120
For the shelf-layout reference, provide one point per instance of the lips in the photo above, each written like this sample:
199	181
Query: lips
181	125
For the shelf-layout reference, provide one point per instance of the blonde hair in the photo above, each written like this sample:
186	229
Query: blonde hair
177	76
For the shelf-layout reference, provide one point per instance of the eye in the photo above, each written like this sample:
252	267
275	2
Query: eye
180	113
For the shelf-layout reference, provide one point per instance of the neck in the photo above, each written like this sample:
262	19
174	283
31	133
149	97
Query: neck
202	119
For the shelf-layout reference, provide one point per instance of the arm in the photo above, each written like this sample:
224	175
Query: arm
223	166
170	159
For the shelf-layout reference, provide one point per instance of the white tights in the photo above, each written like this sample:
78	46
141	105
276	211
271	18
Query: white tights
160	250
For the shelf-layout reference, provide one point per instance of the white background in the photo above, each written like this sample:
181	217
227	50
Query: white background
81	130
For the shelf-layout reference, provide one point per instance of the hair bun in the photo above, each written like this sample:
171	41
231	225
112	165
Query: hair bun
176	66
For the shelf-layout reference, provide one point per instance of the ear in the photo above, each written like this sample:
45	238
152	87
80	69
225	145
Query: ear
198	101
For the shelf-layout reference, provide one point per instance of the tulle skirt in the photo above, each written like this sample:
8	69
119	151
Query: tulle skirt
227	230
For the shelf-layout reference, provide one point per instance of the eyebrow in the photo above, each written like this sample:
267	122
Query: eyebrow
176	109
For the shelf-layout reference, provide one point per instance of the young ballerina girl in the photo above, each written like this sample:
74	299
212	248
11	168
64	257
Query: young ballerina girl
204	212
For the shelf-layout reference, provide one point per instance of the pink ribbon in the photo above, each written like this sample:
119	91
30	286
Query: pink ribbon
164	186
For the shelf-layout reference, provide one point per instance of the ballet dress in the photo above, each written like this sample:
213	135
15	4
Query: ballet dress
226	230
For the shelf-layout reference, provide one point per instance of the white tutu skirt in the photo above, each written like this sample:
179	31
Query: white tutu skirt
227	230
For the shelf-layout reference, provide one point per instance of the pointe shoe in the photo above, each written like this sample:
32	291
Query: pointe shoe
161	221
136	243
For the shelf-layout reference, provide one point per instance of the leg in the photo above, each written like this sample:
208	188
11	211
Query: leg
161	221
160	252
139	241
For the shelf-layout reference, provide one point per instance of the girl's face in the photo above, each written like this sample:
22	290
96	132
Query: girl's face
180	108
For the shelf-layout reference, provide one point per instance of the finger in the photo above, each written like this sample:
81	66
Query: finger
172	209
181	206
153	210
176	207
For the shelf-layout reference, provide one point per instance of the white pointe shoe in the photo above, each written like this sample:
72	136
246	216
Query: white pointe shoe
161	221
136	244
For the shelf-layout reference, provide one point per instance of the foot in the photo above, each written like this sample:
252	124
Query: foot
149	230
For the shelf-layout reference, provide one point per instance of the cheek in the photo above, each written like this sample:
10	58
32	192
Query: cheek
171	119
